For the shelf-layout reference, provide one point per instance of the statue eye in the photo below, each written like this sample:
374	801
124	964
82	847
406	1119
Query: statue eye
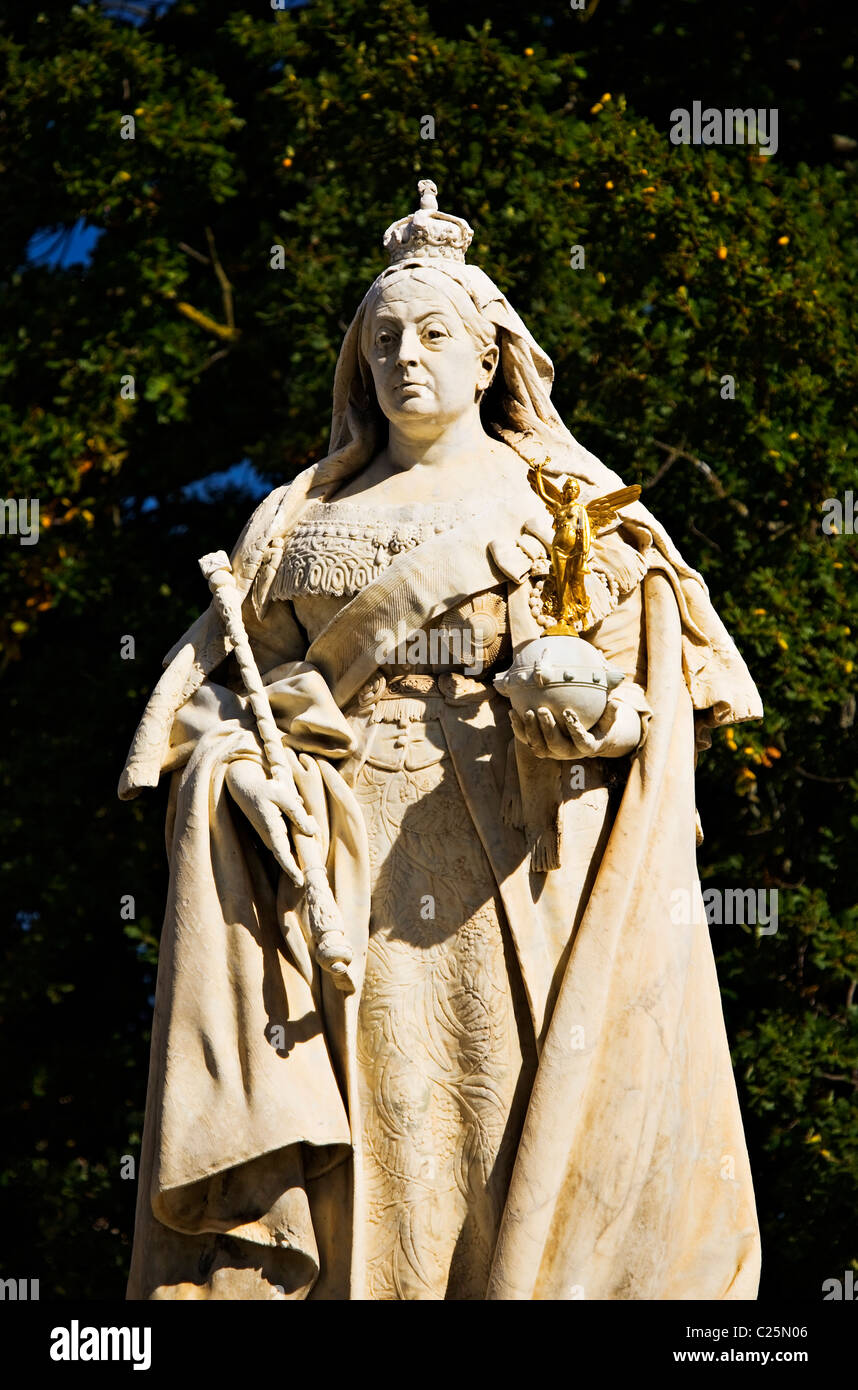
435	331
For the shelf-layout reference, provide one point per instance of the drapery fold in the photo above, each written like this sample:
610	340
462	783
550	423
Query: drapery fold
243	1081
632	1179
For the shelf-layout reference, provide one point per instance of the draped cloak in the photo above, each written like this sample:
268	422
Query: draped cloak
631	1179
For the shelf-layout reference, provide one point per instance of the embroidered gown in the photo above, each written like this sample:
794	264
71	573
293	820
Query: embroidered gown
446	1052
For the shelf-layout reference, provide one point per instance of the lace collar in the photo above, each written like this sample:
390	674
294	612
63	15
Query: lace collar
338	548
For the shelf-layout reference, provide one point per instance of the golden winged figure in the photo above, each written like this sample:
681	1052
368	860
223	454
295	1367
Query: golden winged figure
575	525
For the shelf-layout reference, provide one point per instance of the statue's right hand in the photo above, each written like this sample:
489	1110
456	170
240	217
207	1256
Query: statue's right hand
265	800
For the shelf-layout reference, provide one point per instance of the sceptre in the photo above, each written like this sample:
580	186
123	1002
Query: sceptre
330	947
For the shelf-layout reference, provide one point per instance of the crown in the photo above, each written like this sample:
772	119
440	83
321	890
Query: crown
427	232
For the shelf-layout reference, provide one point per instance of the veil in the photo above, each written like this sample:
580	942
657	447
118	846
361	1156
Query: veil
717	676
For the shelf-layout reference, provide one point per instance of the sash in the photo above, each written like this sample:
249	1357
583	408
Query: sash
417	586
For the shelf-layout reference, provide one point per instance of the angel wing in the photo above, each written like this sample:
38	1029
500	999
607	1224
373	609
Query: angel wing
545	489
603	511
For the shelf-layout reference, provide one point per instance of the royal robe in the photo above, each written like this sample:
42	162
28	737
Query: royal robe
631	1178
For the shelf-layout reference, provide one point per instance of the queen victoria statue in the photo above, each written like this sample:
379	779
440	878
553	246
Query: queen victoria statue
428	1024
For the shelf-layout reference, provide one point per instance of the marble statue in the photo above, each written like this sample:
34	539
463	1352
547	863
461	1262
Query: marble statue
425	1026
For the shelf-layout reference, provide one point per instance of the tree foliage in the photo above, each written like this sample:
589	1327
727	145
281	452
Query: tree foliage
256	129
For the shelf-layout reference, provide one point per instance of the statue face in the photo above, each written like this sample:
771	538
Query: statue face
427	368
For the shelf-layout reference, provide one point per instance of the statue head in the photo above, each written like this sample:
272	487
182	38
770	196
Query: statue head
434	334
427	350
434	337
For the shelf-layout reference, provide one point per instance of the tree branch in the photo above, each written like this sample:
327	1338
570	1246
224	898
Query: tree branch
197	255
228	331
589	12
674	452
225	286
700	535
202	320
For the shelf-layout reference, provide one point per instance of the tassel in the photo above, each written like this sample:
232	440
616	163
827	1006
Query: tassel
512	811
545	851
540	780
391	711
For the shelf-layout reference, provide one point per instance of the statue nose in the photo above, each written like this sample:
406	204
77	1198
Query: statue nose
408	346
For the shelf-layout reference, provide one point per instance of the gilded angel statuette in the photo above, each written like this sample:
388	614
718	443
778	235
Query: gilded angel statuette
575	525
560	671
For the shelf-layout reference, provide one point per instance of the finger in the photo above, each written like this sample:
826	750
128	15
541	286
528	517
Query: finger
273	831
534	735
573	723
265	818
245	772
288	798
584	742
255	783
244	779
609	718
556	742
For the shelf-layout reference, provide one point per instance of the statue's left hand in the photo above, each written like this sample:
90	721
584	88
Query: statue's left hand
265	800
618	732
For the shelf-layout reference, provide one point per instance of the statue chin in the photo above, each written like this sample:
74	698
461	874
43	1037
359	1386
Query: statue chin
559	673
